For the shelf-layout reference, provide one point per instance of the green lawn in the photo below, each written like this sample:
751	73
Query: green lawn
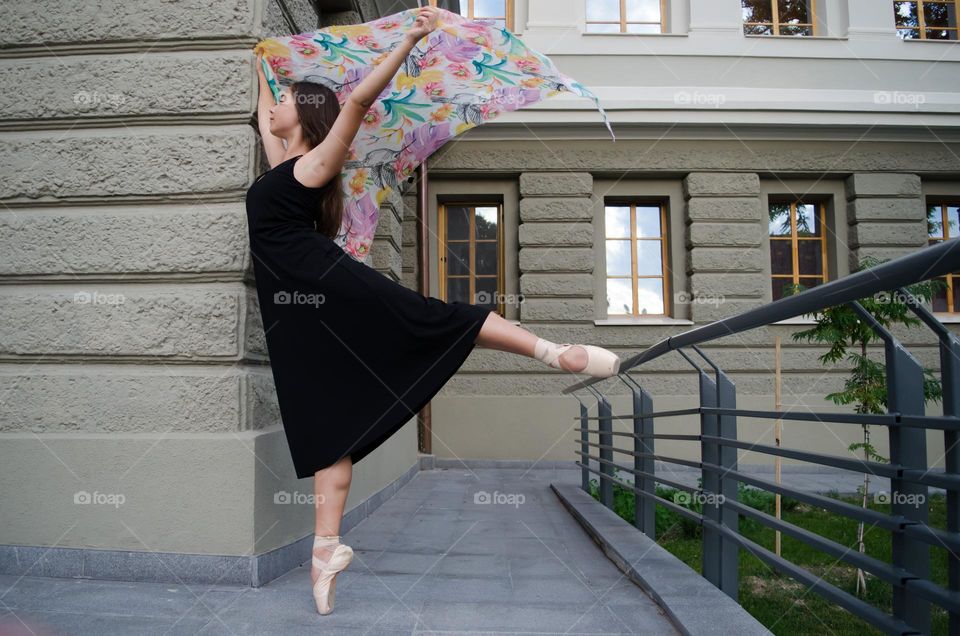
783	605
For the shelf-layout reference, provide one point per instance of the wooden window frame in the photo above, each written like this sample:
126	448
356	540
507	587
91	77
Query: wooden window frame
776	24
821	211
921	25
507	6
634	277
623	19
442	249
944	202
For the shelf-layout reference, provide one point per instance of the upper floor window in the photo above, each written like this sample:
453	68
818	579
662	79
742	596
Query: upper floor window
624	16
943	222
471	254
499	11
778	17
798	248
926	19
636	254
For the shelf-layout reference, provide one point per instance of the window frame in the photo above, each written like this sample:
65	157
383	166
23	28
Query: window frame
623	20
508	7
776	24
921	26
662	203
472	276
794	238
943	201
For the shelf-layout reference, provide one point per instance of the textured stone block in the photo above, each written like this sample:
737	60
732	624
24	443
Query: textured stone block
724	209
556	184
724	234
886	184
888	234
556	208
549	284
720	259
556	234
542	259
557	309
700	184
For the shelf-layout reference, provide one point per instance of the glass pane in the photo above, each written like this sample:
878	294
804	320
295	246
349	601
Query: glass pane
942	34
458	222
458	258
617	221
953	221
779	219
810	282
808	220
603	28
939	14
905	14
778	285
619	296
648	222
643	28
781	256
650	296
488	8
643	10
618	257
486	223
940	295
934	221
757	10
486	292
757	29
486	253
909	34
810	257
649	258
794	12
787	29
602	10
458	289
956	300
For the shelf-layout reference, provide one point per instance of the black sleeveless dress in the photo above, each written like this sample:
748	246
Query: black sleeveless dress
354	354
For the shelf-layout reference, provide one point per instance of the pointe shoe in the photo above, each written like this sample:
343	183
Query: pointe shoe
325	587
601	363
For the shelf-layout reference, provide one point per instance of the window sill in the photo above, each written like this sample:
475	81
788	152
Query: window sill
643	321
799	37
620	35
947	319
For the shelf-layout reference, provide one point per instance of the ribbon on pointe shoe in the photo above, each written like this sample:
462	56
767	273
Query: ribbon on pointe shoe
549	352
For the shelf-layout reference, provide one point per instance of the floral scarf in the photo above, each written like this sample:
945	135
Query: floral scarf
461	75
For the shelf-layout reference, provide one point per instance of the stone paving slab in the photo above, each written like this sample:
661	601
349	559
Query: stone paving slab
455	550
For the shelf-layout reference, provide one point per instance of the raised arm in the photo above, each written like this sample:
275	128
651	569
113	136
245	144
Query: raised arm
272	145
325	162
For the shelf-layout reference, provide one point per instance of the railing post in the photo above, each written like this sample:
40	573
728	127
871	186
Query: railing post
710	483
606	439
645	512
908	448
725	425
584	447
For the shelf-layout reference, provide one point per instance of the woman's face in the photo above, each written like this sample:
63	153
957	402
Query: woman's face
283	116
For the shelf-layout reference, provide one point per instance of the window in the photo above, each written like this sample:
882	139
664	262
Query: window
499	11
926	19
636	251
624	16
778	17
798	254
943	222
471	254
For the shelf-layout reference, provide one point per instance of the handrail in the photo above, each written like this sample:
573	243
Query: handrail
933	261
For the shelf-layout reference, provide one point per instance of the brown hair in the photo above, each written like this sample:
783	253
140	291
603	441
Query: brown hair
317	108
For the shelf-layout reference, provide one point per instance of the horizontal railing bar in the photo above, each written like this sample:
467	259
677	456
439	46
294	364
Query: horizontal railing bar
695	438
936	422
879	419
932	261
669	504
934	536
641	473
630	416
856	465
929	590
864	610
947	481
663	458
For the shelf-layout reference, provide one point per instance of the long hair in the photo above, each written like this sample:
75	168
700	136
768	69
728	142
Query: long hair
317	108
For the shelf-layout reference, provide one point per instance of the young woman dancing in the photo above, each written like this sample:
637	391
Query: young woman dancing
354	355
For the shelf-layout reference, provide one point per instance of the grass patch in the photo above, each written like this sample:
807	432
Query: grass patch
781	604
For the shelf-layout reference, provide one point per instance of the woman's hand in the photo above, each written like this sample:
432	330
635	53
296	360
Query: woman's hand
425	23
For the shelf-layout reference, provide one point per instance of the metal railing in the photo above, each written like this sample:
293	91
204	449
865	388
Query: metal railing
908	573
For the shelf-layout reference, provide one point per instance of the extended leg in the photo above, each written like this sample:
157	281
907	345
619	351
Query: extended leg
503	335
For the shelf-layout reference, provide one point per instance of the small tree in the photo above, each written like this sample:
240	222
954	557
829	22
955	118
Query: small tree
840	327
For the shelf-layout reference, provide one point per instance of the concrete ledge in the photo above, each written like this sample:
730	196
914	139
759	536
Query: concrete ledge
692	603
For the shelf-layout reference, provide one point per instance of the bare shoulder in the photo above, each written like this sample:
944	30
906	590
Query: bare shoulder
307	176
